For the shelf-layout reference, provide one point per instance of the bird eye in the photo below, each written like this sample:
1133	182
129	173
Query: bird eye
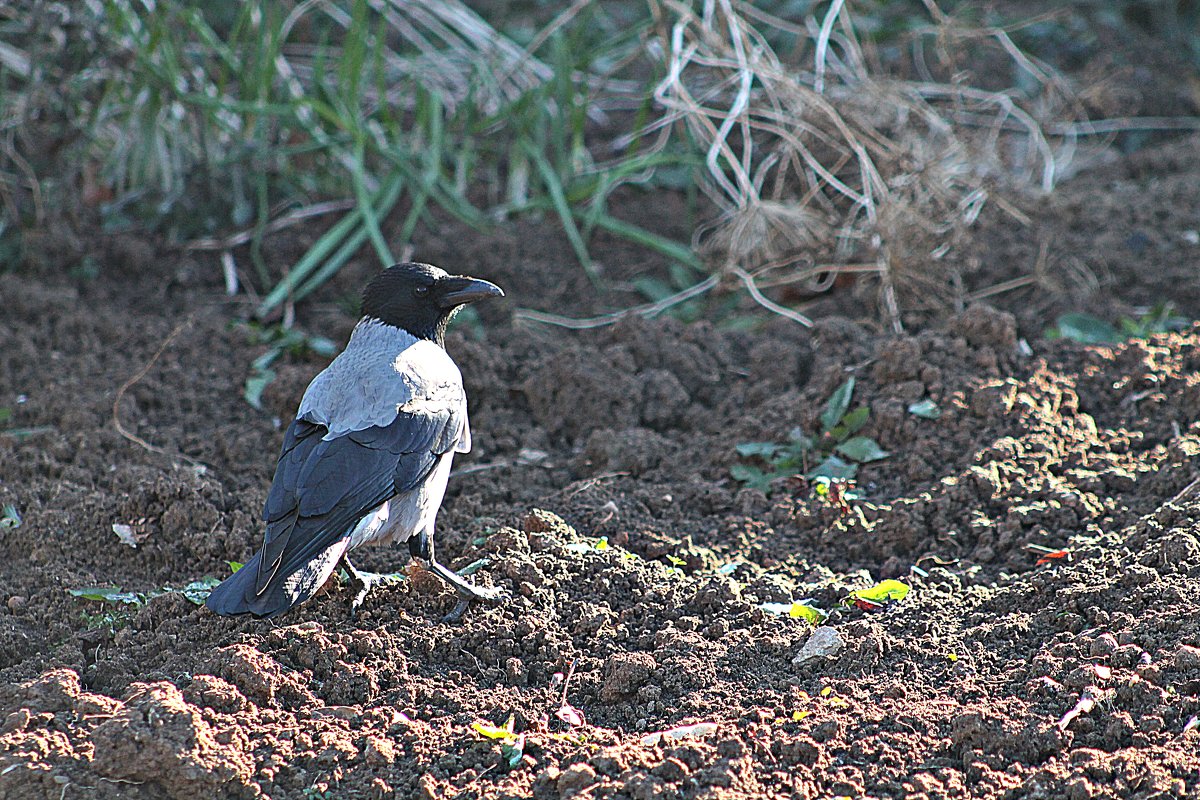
421	291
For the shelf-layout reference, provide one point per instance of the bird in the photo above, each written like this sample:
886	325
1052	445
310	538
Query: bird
368	455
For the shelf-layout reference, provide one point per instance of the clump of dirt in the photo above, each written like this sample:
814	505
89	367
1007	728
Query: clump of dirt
1043	522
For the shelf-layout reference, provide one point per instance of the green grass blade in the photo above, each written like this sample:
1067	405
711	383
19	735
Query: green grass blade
652	241
366	206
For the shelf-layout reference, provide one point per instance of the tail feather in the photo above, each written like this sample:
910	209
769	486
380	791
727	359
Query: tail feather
238	594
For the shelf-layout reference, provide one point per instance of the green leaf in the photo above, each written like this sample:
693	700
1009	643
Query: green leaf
1086	329
839	401
925	409
814	616
234	566
554	187
322	346
851	423
469	569
833	467
882	592
255	386
861	449
654	289
753	477
198	591
11	518
266	359
106	594
757	449
512	751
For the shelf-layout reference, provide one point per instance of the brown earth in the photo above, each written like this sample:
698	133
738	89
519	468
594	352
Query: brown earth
997	676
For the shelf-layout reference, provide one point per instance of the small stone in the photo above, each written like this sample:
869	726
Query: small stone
514	670
16	602
427	788
16	721
1151	723
540	521
1139	575
824	641
1080	789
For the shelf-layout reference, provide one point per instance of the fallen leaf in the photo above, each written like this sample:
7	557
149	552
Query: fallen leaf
493	732
569	714
882	592
125	534
925	409
682	732
796	609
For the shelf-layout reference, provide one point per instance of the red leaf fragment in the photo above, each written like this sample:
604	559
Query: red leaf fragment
1049	557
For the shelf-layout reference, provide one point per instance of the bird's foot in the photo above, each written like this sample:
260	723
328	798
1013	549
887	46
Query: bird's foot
468	592
366	581
490	595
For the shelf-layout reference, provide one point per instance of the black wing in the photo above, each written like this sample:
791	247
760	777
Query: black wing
323	487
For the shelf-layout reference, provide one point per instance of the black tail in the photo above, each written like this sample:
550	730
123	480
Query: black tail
240	594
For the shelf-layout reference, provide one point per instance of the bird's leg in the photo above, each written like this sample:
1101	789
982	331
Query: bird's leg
365	581
421	546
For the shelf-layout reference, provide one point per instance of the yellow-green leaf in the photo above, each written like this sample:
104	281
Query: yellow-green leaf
493	732
883	592
814	616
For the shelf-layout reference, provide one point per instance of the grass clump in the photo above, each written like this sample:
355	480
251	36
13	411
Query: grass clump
851	137
197	119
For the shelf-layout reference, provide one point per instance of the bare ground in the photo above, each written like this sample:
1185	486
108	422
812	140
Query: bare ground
997	676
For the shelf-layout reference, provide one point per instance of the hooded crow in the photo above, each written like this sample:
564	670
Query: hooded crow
367	457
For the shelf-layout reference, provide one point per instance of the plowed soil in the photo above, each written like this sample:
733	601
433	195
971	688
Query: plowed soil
1045	522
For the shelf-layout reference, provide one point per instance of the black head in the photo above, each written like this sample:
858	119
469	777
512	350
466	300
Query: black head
422	299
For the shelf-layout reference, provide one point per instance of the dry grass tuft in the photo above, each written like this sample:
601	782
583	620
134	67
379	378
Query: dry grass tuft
826	160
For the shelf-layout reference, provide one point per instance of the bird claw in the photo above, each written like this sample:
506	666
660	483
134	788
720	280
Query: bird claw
489	595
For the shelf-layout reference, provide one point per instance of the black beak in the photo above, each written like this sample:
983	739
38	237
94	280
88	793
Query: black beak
460	290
